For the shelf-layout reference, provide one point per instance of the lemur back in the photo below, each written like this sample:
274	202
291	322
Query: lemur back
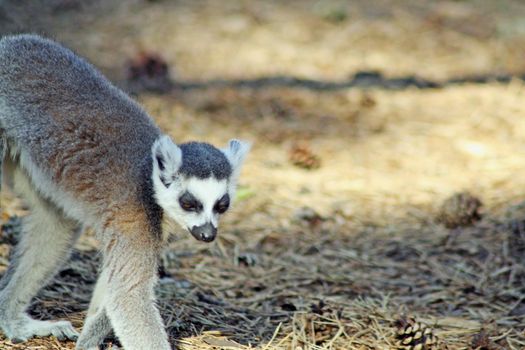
67	120
82	153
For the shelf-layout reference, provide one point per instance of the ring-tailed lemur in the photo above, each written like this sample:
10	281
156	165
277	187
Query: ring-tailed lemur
82	153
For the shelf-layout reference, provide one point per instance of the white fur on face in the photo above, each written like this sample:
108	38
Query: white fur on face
207	191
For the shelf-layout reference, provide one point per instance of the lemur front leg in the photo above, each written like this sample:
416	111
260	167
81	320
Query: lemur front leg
125	293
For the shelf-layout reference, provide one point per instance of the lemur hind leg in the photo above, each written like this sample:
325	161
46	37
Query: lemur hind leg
96	328
97	325
46	241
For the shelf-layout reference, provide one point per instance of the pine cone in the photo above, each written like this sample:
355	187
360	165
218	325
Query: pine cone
412	335
302	156
148	71
460	210
367	101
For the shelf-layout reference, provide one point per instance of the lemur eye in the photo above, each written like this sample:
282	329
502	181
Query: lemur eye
189	203
187	206
222	204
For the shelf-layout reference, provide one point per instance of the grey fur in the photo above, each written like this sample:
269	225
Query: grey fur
2	148
82	153
45	229
94	332
202	160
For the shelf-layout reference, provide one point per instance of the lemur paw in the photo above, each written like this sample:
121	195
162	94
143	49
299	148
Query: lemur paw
24	328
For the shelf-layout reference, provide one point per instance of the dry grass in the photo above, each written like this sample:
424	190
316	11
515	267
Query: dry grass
368	251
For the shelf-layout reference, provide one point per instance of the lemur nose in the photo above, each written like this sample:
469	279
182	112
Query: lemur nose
207	237
205	233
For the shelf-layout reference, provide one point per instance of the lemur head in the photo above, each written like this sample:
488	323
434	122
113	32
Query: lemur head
195	182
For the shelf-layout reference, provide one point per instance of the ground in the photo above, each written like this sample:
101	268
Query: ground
337	256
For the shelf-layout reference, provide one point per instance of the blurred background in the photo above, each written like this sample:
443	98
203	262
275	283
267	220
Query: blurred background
384	187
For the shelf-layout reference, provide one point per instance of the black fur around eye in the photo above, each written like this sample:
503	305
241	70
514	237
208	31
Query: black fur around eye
222	204
189	203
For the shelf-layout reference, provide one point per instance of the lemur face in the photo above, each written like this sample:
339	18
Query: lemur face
195	183
197	204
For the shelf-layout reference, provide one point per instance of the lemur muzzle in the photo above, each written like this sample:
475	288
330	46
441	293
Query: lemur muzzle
205	233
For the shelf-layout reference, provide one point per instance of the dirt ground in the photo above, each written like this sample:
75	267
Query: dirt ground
340	255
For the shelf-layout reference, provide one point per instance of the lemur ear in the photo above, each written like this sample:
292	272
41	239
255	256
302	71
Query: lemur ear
167	159
236	152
